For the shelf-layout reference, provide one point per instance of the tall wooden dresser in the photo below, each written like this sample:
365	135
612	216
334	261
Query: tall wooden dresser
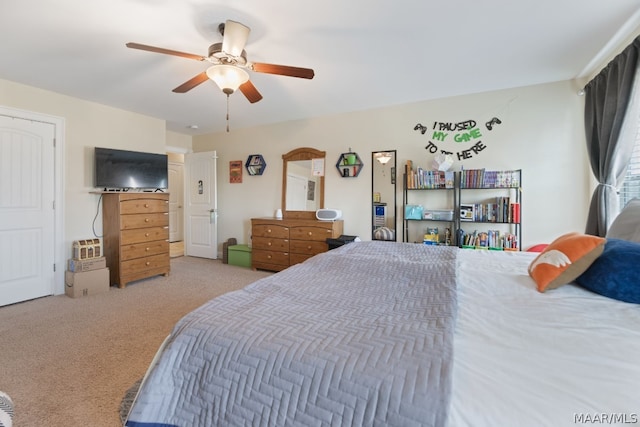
136	235
278	243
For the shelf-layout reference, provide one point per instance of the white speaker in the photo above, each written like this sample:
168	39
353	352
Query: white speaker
328	214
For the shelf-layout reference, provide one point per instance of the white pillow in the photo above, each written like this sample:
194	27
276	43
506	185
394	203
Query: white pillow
384	233
626	226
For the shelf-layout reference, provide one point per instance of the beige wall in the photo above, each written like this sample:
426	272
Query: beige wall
541	132
88	125
178	143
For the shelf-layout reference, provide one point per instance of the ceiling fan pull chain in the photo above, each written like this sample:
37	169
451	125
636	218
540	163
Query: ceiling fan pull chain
227	113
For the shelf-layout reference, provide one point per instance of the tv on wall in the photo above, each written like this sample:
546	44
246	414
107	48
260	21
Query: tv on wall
123	170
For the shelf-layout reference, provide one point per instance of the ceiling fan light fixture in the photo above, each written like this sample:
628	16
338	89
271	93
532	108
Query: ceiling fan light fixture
383	158
227	77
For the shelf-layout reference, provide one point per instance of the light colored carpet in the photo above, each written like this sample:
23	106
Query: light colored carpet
68	362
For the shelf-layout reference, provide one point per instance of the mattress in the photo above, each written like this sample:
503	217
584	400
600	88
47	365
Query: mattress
565	357
517	357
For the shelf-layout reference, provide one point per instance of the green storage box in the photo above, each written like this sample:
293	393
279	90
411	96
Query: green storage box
240	255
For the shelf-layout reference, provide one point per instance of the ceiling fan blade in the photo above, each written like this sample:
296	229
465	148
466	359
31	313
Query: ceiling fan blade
235	37
190	84
249	90
165	51
283	70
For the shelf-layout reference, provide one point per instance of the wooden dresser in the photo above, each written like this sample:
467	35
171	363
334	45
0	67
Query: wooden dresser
278	243
136	235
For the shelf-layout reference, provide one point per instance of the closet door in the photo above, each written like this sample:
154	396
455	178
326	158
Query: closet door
27	254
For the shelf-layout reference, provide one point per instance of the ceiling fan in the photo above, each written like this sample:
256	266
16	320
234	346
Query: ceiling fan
229	62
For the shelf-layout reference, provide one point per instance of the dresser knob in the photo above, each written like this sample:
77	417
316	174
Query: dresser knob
310	233
146	205
309	247
268	230
269	244
146	220
147	263
147	249
268	256
146	234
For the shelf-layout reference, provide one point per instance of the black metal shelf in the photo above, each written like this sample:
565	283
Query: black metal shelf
349	165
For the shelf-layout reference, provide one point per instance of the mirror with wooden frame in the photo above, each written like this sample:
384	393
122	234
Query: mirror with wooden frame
383	184
302	182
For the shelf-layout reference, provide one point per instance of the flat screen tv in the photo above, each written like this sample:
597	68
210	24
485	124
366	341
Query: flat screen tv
122	169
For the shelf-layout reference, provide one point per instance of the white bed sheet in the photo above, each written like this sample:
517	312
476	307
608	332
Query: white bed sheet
523	358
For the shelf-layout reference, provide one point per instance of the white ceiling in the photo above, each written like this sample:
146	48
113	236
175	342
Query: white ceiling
366	54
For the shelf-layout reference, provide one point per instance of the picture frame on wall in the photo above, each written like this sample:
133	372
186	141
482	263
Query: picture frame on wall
235	171
311	191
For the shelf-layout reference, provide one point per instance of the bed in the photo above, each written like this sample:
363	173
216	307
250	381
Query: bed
399	334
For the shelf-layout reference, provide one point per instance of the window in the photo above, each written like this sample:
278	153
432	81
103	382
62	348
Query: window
631	186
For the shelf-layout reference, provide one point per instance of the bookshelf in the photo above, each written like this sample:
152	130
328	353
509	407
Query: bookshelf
486	208
489	209
429	206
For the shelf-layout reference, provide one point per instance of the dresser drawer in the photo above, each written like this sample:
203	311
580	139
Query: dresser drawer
298	258
128	222
310	233
140	250
141	264
308	247
269	230
141	235
267	243
269	257
144	206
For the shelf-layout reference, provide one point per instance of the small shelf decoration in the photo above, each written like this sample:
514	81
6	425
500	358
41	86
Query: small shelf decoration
255	164
349	164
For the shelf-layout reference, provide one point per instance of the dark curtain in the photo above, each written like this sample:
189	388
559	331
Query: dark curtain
606	102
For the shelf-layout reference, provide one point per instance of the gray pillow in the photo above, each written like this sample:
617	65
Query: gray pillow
626	226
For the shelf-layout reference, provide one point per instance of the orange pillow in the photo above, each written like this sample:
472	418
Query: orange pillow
565	259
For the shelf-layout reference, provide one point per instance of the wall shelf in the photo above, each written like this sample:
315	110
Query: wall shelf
255	165
349	165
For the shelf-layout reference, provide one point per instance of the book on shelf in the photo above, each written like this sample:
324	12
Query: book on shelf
502	211
481	178
490	239
471	178
255	160
423	179
515	213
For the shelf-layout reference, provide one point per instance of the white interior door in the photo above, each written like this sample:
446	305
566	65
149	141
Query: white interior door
176	202
27	217
201	205
296	192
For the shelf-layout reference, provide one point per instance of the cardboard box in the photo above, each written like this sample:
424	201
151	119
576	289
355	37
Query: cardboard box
85	283
78	265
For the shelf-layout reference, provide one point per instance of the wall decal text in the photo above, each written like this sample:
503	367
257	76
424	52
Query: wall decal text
466	131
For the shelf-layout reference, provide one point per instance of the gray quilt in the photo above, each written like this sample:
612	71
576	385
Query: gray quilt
361	335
